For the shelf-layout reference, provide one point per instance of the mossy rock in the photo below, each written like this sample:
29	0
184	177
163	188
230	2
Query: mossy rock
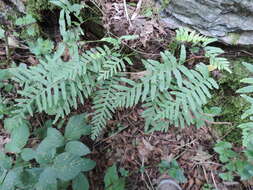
231	103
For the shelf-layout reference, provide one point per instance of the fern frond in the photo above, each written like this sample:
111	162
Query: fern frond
247	128
220	63
186	35
104	105
180	105
53	81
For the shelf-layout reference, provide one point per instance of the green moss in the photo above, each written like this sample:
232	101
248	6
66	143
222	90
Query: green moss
35	7
231	103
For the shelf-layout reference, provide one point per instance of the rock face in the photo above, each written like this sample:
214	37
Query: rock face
228	20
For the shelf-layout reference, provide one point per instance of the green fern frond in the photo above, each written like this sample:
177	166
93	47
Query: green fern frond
186	35
104	105
53	81
179	105
220	63
247	128
212	53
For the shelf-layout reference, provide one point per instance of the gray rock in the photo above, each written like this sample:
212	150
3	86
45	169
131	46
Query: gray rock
228	20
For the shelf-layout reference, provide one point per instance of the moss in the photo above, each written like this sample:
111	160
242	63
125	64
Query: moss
36	7
231	103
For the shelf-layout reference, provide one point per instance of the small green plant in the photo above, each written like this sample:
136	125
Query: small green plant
112	179
208	186
29	26
199	41
172	169
53	164
240	163
4	109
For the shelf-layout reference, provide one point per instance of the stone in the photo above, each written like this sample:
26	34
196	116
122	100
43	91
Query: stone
230	21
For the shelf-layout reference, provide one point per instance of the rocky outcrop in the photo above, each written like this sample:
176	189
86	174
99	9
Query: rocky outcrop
228	20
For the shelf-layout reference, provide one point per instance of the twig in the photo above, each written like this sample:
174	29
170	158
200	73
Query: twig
137	10
186	144
7	47
204	170
126	12
195	57
217	122
214	182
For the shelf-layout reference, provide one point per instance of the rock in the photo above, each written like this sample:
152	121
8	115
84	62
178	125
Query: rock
230	21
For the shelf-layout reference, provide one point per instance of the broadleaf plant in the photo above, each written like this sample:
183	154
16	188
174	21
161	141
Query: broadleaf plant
58	158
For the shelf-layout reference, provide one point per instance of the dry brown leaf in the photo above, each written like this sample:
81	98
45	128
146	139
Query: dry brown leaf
144	149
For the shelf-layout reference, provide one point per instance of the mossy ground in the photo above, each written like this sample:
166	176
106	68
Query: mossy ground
231	103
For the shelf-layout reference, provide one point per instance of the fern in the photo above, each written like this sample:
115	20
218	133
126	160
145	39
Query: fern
103	105
171	92
212	53
247	128
58	85
186	35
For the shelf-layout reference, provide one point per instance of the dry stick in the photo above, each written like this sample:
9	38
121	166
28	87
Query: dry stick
186	144
204	170
218	123
216	187
126	12
7	47
137	10
195	57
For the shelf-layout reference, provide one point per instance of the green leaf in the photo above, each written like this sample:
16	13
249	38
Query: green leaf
115	42
45	152
12	179
112	180
19	138
28	19
54	137
5	161
228	176
182	57
2	34
77	148
248	66
87	164
80	182
67	166
47	180
129	37
10	124
5	74
28	154
247	89
247	80
76	127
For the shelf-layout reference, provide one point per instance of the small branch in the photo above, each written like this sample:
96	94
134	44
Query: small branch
195	57
218	123
214	182
126	12
7	47
137	10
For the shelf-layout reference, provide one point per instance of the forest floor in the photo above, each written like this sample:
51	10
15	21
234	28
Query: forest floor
124	142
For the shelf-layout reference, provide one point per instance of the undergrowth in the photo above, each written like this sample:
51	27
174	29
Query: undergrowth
171	93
